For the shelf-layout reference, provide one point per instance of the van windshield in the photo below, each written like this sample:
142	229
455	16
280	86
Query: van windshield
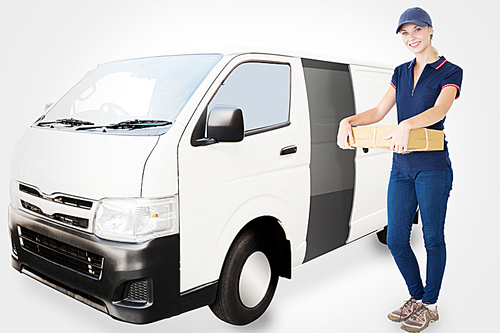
140	89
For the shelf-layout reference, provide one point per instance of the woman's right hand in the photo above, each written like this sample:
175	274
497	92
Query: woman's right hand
344	136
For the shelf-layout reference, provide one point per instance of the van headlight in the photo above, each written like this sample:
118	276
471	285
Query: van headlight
136	220
14	187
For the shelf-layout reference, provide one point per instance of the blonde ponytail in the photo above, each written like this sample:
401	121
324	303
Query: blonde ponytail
435	51
433	48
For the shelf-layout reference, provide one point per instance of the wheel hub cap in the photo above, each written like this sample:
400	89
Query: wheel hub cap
254	280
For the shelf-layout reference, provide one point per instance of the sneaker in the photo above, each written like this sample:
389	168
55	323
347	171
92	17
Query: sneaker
403	312
420	319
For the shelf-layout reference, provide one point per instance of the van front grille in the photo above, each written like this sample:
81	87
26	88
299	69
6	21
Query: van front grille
68	219
73	202
68	256
62	199
30	190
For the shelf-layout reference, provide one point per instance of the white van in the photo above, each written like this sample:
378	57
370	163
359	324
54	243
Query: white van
159	185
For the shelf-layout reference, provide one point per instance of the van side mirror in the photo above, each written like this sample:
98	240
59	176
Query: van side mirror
225	124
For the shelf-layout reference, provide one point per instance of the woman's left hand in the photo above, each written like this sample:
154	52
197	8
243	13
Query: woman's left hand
399	138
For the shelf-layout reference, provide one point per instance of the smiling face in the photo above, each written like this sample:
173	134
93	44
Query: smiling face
417	39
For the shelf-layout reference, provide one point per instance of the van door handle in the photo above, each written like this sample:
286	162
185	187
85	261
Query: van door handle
288	150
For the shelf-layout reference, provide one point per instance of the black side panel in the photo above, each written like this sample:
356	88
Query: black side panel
330	97
311	63
329	212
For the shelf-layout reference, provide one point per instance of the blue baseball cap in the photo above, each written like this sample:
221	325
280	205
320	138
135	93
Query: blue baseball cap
415	15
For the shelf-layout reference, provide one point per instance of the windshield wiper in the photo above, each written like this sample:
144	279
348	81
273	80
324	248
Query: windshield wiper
139	123
131	124
66	121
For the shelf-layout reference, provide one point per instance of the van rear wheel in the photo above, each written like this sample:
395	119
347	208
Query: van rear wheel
382	236
248	280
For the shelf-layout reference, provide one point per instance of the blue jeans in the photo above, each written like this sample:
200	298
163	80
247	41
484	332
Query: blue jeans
430	191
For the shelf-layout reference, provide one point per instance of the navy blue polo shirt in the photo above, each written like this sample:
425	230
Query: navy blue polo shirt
412	101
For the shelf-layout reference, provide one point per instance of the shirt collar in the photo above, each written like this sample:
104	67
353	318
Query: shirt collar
436	65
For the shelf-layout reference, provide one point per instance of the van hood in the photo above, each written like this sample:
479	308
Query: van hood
86	165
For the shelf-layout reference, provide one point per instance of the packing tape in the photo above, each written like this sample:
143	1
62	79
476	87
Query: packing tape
426	141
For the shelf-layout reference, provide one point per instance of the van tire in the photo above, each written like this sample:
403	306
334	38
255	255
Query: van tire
248	250
382	236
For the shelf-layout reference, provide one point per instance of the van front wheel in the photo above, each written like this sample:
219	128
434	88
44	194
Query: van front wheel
248	280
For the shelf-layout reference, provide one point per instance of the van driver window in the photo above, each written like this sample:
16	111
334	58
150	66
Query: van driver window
260	90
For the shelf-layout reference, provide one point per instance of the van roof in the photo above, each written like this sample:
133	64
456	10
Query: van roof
309	55
233	51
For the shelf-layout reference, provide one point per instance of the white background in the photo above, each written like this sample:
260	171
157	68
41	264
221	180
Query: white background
47	46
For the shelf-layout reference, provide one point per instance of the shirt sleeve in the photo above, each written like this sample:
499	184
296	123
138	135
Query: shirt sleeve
394	79
453	79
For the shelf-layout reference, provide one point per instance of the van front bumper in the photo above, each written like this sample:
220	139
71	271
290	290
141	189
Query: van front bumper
136	283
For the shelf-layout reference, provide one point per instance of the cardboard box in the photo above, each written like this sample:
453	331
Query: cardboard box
421	139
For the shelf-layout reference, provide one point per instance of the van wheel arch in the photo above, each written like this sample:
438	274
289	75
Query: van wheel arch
275	236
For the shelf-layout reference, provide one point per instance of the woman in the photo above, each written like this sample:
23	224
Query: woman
423	90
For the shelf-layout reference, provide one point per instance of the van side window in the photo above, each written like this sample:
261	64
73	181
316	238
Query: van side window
260	90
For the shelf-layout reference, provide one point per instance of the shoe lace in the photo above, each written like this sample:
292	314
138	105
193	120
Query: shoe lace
419	311
408	304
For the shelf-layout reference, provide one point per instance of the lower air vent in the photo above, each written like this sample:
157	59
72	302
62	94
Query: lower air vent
138	292
72	220
68	256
